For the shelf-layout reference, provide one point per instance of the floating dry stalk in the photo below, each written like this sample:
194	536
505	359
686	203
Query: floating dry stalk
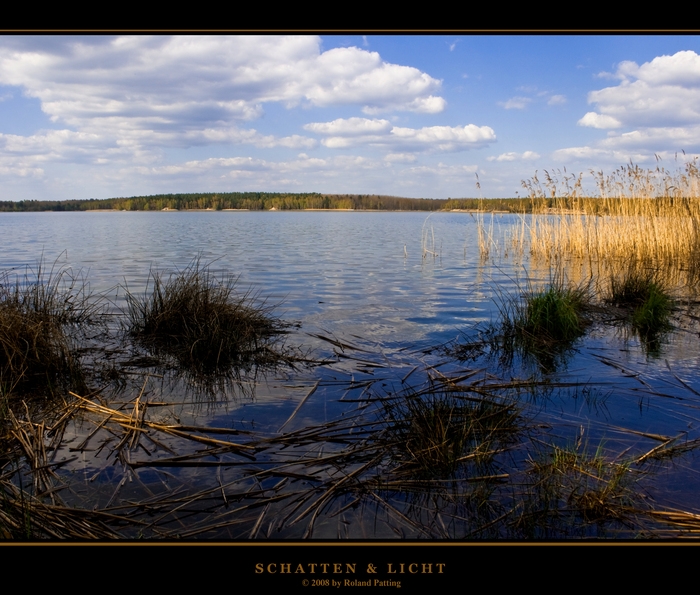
202	322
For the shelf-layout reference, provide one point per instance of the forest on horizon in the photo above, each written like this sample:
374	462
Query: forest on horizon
262	201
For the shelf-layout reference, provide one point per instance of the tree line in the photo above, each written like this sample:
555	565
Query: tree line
261	201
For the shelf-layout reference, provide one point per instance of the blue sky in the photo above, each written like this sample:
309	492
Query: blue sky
405	115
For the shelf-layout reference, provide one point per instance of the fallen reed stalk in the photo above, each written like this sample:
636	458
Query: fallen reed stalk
135	421
452	455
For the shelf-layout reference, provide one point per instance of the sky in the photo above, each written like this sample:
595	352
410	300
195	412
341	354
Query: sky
432	116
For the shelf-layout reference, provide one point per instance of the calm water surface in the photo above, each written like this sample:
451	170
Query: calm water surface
363	278
348	272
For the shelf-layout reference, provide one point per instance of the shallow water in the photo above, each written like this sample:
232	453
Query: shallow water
364	280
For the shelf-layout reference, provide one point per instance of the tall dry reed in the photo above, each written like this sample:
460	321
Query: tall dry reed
649	216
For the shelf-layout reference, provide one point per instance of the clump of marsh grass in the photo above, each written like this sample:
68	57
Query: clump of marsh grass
553	314
545	320
652	315
432	433
642	294
574	492
202	322
536	324
40	313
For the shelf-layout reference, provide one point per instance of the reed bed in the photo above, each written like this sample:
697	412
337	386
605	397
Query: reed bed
649	216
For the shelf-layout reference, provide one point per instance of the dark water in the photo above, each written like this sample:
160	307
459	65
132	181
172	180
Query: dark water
364	279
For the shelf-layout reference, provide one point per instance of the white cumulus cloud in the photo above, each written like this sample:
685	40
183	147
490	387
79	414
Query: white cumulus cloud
652	108
589	155
557	100
140	93
512	156
400	158
350	127
663	92
594	120
343	133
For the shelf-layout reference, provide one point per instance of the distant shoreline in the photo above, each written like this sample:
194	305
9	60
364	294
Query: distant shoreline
263	211
456	211
269	201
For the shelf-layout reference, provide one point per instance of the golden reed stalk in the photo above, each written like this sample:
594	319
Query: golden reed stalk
644	216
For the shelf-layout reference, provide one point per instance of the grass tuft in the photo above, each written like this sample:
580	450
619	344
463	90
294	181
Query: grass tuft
652	315
574	492
546	320
643	295
434	433
553	314
202	322
39	314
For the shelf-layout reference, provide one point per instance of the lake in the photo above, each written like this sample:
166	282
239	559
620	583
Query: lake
379	300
